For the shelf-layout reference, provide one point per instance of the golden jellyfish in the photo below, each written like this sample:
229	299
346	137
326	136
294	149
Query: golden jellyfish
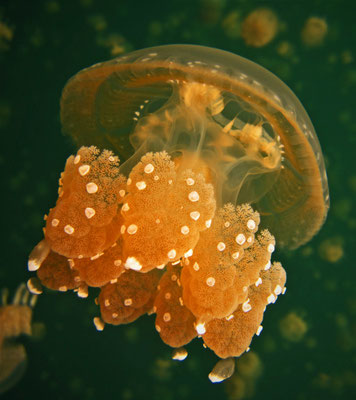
15	320
332	249
193	164
244	382
314	31
259	27
293	327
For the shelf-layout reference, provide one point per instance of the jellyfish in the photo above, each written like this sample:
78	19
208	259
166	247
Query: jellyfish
193	164
314	31
15	320
260	27
293	327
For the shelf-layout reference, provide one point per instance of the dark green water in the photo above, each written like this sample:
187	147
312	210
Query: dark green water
52	40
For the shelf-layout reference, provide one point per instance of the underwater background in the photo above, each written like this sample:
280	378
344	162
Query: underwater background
307	349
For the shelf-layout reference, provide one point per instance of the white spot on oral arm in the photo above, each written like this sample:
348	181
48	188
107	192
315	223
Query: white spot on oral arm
270	248
184	230
84	169
68	229
193	196
267	266
128	302
221	246
210	281
89	212
132	263
190	181
195	215
246	306
55	222
278	290
141	185
166	317
149	168
251	224
258	282
271	298
125	207
132	229
92	187
189	253
200	328
171	254
240	239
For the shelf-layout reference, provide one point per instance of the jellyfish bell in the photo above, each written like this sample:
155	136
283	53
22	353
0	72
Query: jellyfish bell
213	112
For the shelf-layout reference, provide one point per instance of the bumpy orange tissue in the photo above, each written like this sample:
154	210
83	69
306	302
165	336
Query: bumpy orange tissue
154	243
230	337
174	321
85	220
130	297
212	282
163	212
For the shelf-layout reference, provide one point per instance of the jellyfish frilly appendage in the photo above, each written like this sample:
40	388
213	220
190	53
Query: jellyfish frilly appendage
202	266
216	172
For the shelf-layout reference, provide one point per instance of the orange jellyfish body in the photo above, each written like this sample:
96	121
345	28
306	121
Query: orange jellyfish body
219	159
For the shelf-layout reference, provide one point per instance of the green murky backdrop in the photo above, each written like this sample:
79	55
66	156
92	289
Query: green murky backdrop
308	346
